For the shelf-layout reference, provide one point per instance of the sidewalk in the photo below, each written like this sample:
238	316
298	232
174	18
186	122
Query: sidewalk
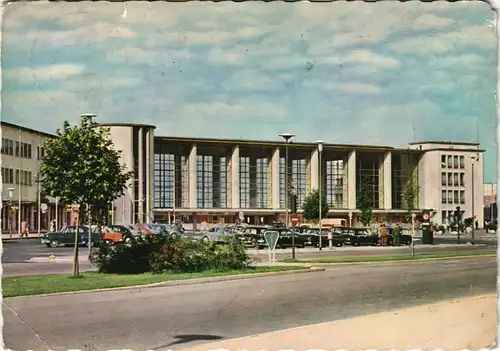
15	236
468	323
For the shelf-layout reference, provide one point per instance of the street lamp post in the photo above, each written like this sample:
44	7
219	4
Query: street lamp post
320	188
287	137
473	214
11	190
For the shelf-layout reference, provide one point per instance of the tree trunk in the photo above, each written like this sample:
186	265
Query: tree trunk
76	266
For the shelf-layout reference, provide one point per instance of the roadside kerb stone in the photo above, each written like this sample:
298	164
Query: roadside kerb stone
306	263
180	282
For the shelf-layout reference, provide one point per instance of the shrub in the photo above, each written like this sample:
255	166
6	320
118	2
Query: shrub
469	222
162	254
492	225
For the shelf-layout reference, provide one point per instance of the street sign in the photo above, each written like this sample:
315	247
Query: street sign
271	237
425	216
413	215
295	220
44	207
241	216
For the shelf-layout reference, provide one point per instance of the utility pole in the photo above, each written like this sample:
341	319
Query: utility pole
287	137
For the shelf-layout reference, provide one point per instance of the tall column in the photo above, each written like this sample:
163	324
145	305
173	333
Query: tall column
150	175
140	176
235	177
314	170
275	179
387	180
351	180
192	177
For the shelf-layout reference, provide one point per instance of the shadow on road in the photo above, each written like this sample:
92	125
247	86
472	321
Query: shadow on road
183	339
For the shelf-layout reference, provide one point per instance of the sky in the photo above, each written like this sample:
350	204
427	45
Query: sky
344	72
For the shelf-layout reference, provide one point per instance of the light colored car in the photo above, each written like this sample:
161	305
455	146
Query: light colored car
217	235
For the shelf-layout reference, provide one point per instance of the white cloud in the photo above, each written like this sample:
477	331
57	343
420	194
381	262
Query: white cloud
365	57
58	71
346	87
429	21
479	36
252	80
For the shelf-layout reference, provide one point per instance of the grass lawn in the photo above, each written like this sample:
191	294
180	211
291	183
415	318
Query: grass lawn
44	284
392	258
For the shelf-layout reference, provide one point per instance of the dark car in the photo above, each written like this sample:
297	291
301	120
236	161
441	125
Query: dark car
285	239
338	239
253	236
66	236
404	239
359	236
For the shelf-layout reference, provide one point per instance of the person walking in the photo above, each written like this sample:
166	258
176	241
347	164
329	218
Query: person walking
52	226
383	235
396	234
477	225
24	228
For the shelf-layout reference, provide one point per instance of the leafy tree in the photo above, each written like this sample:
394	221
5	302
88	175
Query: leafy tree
364	199
82	167
410	195
311	206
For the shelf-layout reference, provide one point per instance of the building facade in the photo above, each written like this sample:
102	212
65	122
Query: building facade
220	180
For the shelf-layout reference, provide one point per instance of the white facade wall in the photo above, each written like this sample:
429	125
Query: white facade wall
235	178
314	170
275	176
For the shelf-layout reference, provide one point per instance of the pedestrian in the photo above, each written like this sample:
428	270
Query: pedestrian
477	225
52	226
24	228
396	235
383	235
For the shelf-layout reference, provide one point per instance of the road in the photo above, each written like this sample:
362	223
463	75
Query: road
178	317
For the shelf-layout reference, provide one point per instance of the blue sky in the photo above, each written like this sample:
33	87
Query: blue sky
345	72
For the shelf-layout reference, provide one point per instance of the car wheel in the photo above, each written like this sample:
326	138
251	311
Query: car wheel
205	239
340	244
48	245
128	240
54	243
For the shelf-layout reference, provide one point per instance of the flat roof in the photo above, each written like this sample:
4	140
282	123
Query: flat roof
23	128
449	142
127	125
246	142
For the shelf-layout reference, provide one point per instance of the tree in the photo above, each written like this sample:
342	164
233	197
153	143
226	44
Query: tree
82	167
311	206
409	195
365	199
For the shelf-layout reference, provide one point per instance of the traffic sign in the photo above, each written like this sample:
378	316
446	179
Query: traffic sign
425	216
295	220
44	207
271	237
241	216
413	215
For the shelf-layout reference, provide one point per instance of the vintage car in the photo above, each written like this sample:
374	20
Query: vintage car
287	236
115	234
404	239
216	235
66	236
359	236
337	238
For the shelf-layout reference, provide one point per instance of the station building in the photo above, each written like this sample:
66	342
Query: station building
220	180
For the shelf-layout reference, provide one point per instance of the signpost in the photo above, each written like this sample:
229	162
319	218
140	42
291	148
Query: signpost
350	219
241	216
44	207
272	237
413	215
295	220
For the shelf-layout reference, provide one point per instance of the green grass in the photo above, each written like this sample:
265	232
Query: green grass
392	258
45	284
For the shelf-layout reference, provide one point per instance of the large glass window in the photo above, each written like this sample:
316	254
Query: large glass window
220	183
462	197
244	182
204	181
443	161
450	161
334	178
164	180
450	179
455	161
462	179
262	182
450	196
455	197
282	182
462	162
443	196
367	173
455	179
404	174
443	178
299	180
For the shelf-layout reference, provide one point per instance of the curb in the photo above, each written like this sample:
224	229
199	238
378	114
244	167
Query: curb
313	264
193	281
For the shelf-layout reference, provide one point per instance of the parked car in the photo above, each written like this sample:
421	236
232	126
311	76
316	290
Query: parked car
285	239
359	236
166	229
253	236
338	239
66	236
405	239
216	236
114	234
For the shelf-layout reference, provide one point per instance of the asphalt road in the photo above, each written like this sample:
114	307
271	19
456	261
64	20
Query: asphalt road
177	317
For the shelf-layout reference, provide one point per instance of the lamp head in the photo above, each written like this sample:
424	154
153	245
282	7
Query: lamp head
320	145
287	136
